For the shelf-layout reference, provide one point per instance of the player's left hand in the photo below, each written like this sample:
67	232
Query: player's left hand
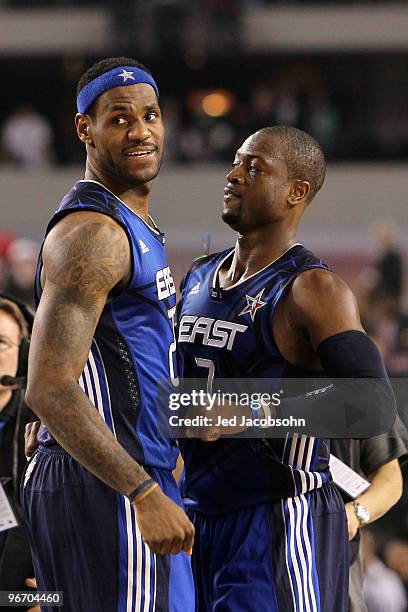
30	438
207	431
352	521
223	420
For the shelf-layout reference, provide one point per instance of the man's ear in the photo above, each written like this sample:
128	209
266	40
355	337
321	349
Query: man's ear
299	193
84	128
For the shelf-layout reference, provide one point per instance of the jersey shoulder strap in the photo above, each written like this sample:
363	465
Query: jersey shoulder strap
199	262
88	196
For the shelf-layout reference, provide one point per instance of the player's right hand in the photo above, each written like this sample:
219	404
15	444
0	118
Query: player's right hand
164	526
32	583
30	438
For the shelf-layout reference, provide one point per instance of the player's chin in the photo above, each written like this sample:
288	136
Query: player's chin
144	175
231	218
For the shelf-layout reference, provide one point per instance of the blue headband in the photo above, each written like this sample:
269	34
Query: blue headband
117	77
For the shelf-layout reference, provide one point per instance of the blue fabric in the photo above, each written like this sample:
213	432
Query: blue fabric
230	474
287	556
354	363
132	347
121	76
85	542
351	354
84	535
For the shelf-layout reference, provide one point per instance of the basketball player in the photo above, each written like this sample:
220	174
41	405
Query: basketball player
270	527
103	509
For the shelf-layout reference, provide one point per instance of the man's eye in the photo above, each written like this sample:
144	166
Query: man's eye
151	116
119	121
4	345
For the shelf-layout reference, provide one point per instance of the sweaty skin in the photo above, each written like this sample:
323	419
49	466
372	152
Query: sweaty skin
265	207
318	305
85	256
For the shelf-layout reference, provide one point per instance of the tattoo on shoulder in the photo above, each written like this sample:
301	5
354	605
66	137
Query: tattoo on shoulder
94	258
84	263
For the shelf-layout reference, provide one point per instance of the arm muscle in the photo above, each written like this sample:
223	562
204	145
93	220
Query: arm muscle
322	305
85	256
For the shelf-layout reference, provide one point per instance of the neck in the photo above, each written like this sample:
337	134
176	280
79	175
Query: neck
135	197
255	250
5	397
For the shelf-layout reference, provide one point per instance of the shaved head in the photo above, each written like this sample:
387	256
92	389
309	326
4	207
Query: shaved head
302	155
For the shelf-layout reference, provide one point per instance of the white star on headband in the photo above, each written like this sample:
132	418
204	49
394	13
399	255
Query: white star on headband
125	74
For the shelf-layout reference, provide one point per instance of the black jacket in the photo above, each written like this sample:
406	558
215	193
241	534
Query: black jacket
15	555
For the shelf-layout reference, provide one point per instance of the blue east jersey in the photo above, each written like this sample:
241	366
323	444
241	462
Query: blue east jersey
133	346
232	330
98	557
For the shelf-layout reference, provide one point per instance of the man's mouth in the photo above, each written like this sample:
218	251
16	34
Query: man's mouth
230	191
139	152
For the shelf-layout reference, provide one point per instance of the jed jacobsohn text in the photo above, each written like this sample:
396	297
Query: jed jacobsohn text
208	400
235	421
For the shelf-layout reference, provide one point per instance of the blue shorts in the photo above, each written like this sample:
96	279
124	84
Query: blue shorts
287	556
86	543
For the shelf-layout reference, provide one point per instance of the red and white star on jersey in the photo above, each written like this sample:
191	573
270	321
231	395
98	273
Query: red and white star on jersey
253	304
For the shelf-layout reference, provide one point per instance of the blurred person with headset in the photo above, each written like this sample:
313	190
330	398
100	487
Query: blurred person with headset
15	327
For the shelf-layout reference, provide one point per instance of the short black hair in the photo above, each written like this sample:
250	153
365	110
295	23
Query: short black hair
104	66
302	154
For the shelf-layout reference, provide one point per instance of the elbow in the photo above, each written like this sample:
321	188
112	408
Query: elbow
39	393
398	489
34	397
394	497
398	496
43	394
396	485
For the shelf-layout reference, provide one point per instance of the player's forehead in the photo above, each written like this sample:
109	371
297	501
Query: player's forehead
136	97
260	145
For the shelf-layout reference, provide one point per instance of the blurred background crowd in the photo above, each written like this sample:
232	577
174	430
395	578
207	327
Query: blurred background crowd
212	103
225	68
213	91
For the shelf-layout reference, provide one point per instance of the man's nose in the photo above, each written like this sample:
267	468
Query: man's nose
139	131
235	176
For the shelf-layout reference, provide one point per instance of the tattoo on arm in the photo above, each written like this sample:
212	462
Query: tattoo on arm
84	259
89	263
84	266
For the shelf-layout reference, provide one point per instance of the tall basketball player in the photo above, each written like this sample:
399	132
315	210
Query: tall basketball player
103	509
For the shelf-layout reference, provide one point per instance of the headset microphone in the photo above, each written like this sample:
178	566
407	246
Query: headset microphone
13	381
